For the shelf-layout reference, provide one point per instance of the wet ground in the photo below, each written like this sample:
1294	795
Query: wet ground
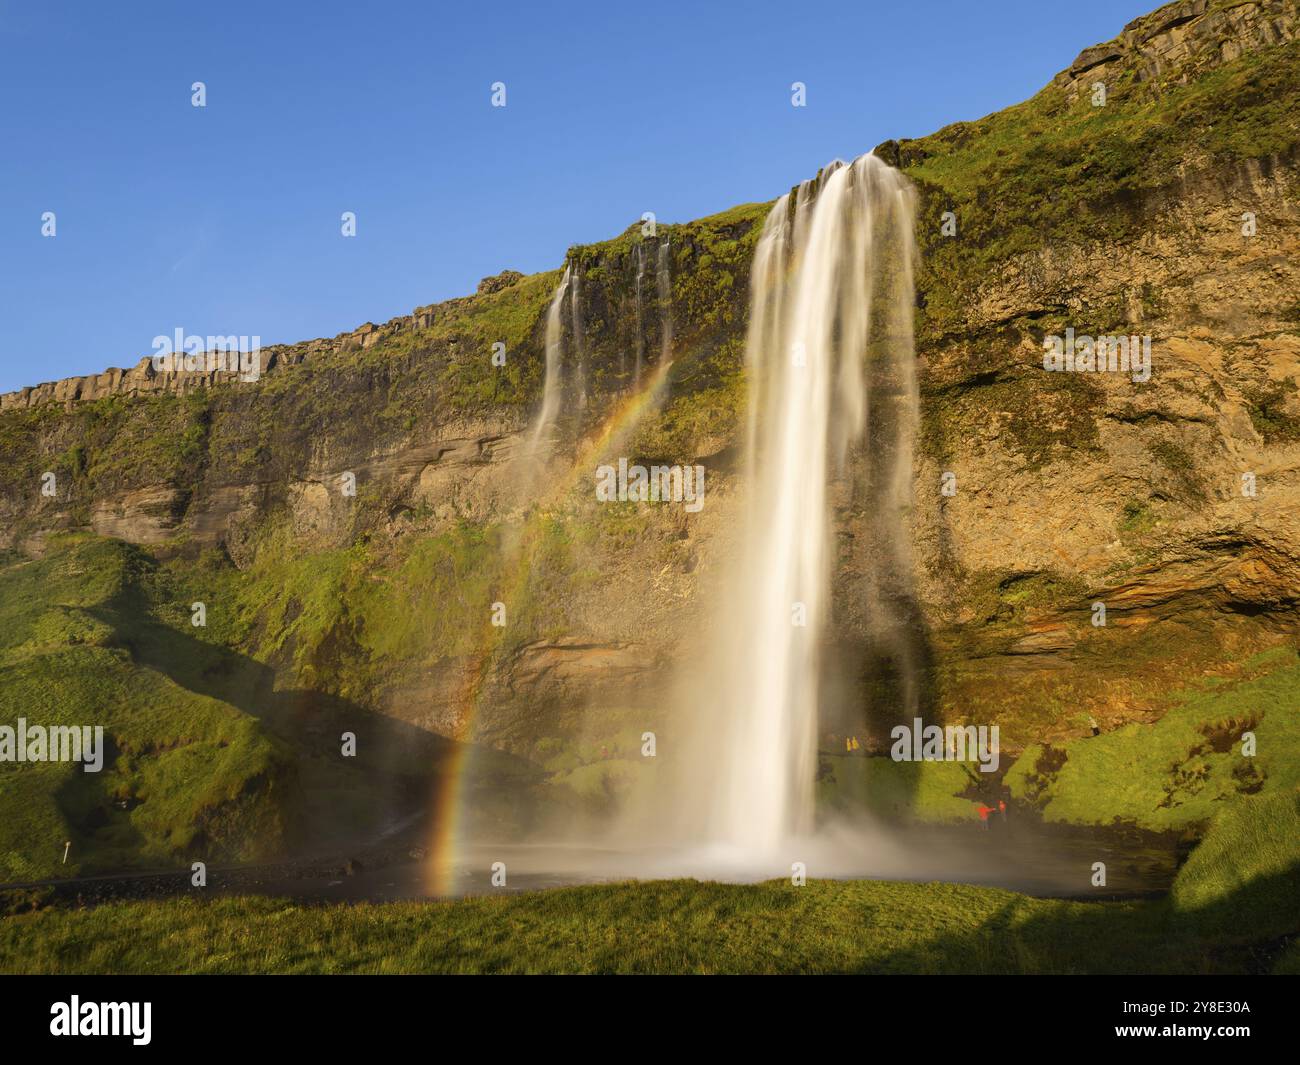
1020	855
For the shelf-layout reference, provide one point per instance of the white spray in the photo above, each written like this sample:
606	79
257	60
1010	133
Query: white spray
665	285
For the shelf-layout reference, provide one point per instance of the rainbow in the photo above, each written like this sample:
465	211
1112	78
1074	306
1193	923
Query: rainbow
444	844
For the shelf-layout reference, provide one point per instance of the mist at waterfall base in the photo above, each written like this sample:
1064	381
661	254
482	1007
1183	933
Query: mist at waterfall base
832	414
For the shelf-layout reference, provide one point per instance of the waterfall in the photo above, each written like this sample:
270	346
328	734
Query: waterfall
639	261
665	306
830	364
552	385
579	337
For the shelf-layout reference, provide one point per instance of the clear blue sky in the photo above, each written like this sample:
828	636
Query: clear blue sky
225	219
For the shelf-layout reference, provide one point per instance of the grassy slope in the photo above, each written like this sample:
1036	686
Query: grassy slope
1250	856
1175	774
192	772
1180	771
356	620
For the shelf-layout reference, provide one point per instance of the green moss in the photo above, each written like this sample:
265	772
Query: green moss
105	445
436	600
597	787
1040	416
470	328
921	791
1004	597
357	622
1182	467
1268	412
1136	518
694	422
1179	772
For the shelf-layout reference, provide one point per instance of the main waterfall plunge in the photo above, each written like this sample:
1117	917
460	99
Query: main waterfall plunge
832	397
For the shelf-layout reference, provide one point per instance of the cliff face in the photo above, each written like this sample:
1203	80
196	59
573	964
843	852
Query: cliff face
1180	42
1168	211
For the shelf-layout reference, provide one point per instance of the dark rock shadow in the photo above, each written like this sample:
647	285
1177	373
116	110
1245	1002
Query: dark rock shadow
335	800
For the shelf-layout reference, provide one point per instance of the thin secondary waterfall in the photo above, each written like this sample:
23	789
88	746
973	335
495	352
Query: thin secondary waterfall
665	293
639	262
579	336
552	386
831	367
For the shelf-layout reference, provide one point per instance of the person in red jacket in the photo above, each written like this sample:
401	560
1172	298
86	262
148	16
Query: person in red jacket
984	812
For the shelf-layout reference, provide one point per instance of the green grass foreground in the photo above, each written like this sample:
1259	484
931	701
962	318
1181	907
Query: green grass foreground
674	926
648	927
